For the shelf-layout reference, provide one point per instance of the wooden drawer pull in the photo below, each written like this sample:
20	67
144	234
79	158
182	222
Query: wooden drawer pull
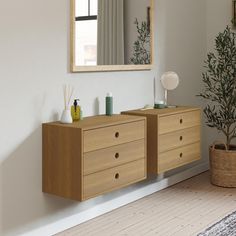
181	121
181	138
181	155
117	175
117	155
117	134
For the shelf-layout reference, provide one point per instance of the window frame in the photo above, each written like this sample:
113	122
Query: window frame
86	17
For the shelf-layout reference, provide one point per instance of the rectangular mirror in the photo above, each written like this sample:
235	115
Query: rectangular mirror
111	35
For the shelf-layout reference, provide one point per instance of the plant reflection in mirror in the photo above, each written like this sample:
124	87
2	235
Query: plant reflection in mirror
141	47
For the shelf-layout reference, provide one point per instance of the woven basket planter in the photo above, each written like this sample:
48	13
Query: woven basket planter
222	166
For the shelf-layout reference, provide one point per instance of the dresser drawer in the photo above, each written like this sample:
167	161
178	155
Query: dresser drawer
179	138
110	157
178	157
104	181
113	135
179	121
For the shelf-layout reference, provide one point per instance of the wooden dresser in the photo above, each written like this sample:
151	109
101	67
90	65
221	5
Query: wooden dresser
93	156
173	137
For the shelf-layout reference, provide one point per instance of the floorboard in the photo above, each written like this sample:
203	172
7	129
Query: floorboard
184	209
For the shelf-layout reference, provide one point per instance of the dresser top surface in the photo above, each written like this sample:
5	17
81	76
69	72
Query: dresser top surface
162	112
93	122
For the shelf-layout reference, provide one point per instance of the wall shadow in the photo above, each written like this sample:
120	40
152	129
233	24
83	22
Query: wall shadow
24	206
22	199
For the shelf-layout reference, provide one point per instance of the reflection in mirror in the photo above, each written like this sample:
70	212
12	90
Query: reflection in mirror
111	32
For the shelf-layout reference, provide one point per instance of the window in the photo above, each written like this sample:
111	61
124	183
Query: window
86	32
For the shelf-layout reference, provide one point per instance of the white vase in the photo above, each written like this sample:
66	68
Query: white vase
66	117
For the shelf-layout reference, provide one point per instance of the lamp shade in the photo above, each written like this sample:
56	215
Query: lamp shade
170	80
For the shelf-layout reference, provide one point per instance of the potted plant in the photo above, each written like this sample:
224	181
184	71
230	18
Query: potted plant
220	111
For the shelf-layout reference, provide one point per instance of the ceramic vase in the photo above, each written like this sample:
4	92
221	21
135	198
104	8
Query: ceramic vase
66	117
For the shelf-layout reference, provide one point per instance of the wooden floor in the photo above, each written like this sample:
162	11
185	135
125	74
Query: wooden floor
181	210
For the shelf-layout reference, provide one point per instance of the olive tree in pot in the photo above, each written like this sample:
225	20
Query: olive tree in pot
220	112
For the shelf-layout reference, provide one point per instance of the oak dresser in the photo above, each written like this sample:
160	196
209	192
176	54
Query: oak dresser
93	156
173	137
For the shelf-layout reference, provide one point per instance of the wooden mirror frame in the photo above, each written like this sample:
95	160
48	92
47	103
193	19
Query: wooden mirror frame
103	68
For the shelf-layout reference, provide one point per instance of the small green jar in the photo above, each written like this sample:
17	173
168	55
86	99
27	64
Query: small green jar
159	105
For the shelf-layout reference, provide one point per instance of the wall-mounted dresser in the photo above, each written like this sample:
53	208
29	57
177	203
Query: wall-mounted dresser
93	156
173	137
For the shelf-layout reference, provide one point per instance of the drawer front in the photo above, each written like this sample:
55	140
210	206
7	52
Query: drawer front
111	179
178	157
179	121
110	157
113	135
179	138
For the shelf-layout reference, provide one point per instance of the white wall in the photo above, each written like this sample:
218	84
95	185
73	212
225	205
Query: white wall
34	56
219	14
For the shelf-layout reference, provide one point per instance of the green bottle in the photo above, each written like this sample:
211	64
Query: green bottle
109	104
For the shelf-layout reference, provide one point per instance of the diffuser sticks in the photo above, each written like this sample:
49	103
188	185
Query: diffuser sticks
68	92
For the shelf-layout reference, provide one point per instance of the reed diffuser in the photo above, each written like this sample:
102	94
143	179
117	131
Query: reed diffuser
66	114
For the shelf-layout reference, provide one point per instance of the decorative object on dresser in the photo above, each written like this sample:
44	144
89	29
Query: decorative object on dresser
169	81
93	156
219	90
173	137
66	117
158	104
75	110
109	104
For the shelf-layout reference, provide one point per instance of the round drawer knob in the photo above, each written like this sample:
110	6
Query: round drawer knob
181	155
117	176
181	121
117	134
181	138
117	155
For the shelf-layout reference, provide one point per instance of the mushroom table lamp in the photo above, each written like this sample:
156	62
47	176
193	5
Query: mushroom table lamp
169	81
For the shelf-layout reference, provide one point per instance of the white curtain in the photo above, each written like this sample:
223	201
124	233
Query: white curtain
110	37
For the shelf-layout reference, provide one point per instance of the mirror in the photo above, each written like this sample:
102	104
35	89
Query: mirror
111	35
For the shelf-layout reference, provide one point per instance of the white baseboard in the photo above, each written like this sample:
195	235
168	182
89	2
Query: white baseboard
115	203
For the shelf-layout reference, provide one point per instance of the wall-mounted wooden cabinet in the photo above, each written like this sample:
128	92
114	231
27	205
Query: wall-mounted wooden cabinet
93	156
173	137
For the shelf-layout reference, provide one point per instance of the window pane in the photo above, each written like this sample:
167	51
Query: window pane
86	43
81	8
93	7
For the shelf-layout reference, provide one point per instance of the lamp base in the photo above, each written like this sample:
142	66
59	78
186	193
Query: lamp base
159	106
171	106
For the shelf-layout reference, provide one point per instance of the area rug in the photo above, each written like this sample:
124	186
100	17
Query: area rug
225	227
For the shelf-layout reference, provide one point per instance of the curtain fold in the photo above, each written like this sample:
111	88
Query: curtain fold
110	36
